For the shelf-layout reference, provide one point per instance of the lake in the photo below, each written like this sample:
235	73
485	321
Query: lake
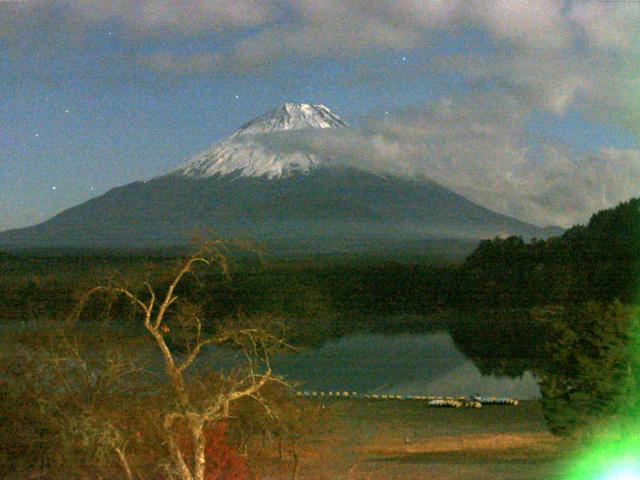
403	364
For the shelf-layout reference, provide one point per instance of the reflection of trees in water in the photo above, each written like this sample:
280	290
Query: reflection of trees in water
314	332
501	342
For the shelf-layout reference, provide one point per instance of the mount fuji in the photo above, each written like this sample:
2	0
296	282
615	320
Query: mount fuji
247	151
248	186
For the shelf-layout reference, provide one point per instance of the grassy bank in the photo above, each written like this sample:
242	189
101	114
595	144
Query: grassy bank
401	440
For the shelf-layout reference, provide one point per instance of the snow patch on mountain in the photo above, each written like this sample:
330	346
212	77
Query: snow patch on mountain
292	116
247	152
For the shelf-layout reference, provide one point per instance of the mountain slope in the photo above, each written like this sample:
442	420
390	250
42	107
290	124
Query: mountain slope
247	186
248	151
326	203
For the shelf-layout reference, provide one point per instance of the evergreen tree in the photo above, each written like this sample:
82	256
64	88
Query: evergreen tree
599	261
589	373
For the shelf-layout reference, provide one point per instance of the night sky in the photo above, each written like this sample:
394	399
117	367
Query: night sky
531	108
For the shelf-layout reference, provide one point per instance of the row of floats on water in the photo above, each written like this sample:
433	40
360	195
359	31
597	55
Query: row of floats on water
475	401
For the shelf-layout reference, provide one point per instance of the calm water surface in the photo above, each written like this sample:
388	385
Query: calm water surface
404	364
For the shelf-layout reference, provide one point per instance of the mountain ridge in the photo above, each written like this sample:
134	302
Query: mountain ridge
323	204
240	188
246	153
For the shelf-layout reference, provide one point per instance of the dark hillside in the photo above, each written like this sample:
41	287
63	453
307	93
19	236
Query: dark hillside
327	206
598	261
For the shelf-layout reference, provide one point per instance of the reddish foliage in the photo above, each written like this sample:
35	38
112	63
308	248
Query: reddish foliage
223	460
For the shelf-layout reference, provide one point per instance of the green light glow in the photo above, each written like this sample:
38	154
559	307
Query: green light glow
623	473
614	454
592	383
613	460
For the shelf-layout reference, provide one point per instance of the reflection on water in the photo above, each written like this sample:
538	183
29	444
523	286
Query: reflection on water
403	364
406	364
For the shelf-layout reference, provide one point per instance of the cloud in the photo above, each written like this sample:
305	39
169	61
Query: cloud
142	17
151	17
605	86
529	24
552	51
282	28
608	25
330	29
550	81
539	23
597	181
32	25
169	63
479	148
335	28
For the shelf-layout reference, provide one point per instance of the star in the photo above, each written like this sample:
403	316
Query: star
37	134
237	97
53	188
66	111
404	59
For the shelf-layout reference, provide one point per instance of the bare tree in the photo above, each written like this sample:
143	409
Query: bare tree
70	403
197	403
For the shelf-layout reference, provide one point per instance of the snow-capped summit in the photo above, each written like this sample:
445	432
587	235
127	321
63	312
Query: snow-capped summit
292	116
247	152
322	210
